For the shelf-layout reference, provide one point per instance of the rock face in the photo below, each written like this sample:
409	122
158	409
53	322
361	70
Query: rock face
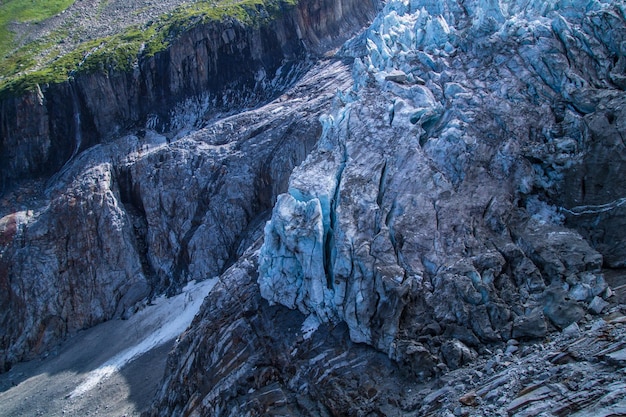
67	266
463	197
142	214
212	67
591	193
137	217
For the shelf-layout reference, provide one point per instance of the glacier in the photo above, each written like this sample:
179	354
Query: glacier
428	201
449	245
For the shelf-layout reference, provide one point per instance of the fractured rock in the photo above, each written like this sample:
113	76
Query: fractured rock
597	305
456	354
531	326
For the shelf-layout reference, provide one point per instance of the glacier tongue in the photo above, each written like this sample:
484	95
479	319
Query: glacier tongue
435	195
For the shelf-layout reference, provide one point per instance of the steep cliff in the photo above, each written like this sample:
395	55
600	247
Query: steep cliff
210	67
127	218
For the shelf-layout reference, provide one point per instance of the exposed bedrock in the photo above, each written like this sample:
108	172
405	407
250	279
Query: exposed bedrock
140	216
66	267
217	66
592	194
119	220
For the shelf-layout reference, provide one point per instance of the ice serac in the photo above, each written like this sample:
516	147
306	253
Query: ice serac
465	185
297	225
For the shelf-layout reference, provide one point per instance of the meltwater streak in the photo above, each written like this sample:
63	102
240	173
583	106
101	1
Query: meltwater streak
78	134
595	209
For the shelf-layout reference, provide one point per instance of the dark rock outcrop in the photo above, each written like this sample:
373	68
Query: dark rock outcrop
140	216
592	195
67	266
242	356
212	67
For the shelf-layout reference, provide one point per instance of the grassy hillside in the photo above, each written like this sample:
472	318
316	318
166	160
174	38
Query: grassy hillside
25	11
38	62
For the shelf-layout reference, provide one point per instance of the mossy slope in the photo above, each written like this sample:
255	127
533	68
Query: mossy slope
25	11
19	72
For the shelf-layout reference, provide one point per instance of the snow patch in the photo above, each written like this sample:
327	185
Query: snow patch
309	326
161	322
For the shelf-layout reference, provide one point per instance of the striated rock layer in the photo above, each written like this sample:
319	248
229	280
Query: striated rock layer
464	196
142	214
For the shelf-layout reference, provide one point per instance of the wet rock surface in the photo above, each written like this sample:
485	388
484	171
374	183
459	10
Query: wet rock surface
595	202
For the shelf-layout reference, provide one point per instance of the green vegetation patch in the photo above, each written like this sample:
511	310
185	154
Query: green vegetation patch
25	11
18	72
